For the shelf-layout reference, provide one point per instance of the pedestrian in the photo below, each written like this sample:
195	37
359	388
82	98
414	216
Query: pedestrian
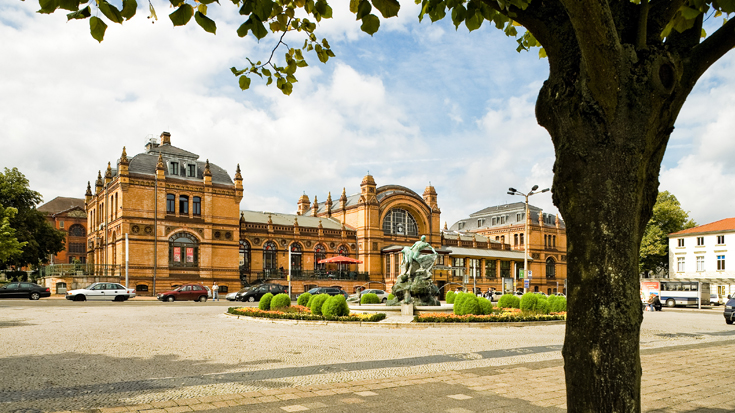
215	292
651	301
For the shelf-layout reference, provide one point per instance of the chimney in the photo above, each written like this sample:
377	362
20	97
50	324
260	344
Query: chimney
165	138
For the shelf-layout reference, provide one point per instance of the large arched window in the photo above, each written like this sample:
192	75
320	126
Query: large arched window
550	268
77	230
400	222
296	257
183	250
320	253
270	259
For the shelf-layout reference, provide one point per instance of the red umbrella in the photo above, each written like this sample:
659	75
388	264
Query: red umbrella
340	260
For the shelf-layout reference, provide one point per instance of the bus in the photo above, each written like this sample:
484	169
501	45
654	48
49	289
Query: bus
677	292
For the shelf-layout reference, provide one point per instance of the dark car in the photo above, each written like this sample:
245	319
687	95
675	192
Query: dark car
255	293
24	290
196	292
729	310
328	290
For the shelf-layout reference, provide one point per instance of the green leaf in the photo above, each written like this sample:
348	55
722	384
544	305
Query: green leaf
97	27
475	21
263	9
541	53
323	8
182	15
48	6
727	6
208	1
257	27
237	72
370	24
353	5
207	24
266	72
458	15
363	9
244	28
177	3
246	8
71	5
81	14
110	11
388	8
438	12
244	82
129	9
689	13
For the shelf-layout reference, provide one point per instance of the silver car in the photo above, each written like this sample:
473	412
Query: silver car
101	291
382	295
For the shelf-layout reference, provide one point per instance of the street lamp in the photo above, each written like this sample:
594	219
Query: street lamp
513	191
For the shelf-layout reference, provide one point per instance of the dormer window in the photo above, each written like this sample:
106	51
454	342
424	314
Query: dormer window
192	170
174	168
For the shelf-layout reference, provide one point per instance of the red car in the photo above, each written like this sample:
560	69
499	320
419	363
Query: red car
196	292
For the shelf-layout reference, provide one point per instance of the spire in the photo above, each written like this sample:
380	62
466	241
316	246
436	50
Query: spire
270	220
98	184
207	172
328	204
314	207
108	174
445	226
238	176
343	200
124	157
159	166
88	194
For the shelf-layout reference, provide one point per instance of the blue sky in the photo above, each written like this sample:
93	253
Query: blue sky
416	103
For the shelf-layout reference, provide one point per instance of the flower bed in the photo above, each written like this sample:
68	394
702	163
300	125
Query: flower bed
506	316
298	312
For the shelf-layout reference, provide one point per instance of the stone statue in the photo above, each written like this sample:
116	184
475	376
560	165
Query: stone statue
414	284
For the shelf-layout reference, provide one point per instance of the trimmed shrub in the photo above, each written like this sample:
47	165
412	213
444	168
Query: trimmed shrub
486	306
508	300
317	302
280	301
391	297
304	299
551	300
560	305
529	301
311	299
265	302
369	298
470	305
449	297
336	306
458	299
542	305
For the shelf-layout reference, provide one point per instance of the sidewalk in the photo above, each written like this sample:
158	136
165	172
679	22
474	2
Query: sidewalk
675	379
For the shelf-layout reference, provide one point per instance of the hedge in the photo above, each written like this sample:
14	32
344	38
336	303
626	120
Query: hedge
303	299
370	298
509	301
336	306
449	297
529	301
391	297
265	301
317	302
277	315
486	306
281	301
492	318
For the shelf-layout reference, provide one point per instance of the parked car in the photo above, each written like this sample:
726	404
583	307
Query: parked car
24	290
254	294
196	292
328	290
101	291
729	310
714	299
233	295
382	295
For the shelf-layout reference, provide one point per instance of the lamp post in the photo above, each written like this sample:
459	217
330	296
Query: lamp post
513	191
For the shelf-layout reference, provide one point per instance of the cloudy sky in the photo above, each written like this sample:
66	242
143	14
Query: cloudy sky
416	103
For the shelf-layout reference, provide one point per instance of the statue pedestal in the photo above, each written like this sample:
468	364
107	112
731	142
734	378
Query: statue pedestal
407	309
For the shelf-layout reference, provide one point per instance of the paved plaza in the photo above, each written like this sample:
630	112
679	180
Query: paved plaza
174	357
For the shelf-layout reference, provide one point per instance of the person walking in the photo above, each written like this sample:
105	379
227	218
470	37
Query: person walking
215	292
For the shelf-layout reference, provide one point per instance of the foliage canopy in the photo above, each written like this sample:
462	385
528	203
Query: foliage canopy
668	217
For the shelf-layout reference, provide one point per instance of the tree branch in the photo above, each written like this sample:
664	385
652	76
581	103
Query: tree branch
640	42
708	52
659	15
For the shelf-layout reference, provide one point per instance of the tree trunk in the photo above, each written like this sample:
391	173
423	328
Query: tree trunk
605	186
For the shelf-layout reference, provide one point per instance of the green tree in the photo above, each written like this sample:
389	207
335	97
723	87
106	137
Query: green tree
667	217
10	247
619	73
31	228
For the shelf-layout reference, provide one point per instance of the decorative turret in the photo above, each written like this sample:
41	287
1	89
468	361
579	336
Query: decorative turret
270	223
165	138
296	225
238	183
557	221
108	174
303	204
122	165
160	171
207	174
314	207
430	197
99	183
541	217
445	226
328	204
88	194
367	189
343	200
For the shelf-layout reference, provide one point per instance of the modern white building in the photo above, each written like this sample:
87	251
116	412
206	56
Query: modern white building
702	253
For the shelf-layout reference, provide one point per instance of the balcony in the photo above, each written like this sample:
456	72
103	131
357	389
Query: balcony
81	270
309	275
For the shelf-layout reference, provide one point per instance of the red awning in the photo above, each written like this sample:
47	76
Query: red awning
340	260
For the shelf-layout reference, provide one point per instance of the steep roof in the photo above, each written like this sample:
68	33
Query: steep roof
723	225
60	204
145	163
261	217
483	218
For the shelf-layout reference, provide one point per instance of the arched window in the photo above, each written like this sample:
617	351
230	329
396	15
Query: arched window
296	257
343	251
77	230
170	203
183	250
320	253
270	259
244	257
550	268
400	222
183	204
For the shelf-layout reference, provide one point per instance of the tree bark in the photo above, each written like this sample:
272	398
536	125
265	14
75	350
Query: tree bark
605	185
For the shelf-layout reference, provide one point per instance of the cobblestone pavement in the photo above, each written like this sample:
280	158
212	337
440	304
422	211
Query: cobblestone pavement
144	355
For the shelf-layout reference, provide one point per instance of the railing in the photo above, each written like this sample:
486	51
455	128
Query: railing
310	275
81	270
